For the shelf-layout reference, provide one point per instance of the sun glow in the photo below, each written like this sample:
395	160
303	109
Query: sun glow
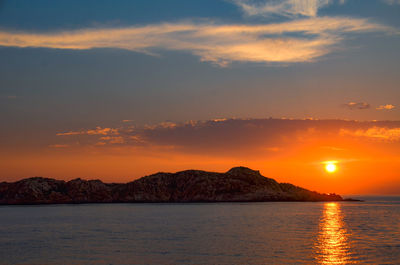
330	166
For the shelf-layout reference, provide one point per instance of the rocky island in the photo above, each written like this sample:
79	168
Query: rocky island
239	184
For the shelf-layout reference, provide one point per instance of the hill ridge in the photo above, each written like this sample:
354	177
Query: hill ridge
239	184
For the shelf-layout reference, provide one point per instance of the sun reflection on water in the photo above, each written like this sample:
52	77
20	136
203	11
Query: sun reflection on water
332	245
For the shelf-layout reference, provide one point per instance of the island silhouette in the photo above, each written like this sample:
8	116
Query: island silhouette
239	184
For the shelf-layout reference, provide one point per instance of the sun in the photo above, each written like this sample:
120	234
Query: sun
330	167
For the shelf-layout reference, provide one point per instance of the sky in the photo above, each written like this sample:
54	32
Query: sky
115	90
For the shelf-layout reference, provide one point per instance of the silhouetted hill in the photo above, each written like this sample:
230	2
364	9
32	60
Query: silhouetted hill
240	184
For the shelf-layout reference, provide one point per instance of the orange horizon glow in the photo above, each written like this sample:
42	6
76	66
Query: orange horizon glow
308	158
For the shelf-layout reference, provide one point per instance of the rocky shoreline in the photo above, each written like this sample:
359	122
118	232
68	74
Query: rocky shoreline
239	184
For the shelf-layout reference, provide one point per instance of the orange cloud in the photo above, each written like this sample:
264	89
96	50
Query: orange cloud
70	133
59	145
219	44
357	105
234	136
97	131
113	139
386	107
391	134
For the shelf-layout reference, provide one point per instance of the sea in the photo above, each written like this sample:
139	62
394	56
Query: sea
365	232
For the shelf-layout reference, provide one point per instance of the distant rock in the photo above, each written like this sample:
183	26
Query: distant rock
352	200
240	184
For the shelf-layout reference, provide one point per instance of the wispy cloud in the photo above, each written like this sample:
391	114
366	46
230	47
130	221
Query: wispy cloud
357	105
301	40
59	145
384	133
333	148
112	139
392	2
106	136
386	107
251	136
96	131
8	96
288	8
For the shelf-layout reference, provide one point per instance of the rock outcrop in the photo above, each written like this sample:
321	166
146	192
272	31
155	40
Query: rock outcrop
239	184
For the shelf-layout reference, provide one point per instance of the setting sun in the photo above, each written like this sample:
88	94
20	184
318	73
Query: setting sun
330	167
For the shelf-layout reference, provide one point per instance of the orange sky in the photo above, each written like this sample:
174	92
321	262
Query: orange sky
368	161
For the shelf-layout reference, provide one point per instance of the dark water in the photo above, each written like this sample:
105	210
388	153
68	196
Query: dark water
222	233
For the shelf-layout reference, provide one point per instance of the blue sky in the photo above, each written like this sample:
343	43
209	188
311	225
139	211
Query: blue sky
357	63
73	66
139	84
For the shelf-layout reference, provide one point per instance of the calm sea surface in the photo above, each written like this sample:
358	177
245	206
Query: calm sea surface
221	233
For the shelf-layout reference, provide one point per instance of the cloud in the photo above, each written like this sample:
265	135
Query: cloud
165	124
383	133
302	40
59	145
96	131
357	105
287	8
251	137
8	96
106	136
392	2
112	140
386	107
364	105
333	148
